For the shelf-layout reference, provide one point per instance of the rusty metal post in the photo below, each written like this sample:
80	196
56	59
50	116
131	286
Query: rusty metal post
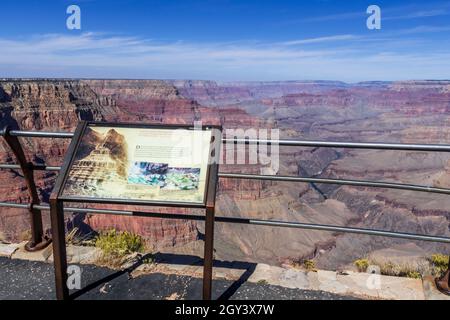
57	221
443	283
208	255
38	239
59	248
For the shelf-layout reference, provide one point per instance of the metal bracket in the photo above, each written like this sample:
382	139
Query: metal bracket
38	240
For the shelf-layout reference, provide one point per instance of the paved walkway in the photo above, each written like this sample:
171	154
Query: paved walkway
22	279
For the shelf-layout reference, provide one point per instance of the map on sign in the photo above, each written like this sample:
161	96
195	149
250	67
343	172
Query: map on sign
143	164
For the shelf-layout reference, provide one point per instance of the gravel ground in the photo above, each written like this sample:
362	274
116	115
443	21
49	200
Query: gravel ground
21	279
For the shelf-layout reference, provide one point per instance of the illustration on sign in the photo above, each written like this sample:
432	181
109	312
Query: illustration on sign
154	164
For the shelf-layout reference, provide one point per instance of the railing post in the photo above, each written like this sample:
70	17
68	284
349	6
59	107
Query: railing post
443	283
59	247
208	255
38	239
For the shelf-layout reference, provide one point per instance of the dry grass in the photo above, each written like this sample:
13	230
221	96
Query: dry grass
25	235
389	268
306	264
402	270
439	263
2	237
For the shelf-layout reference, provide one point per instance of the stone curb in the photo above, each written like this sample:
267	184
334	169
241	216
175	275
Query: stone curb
7	250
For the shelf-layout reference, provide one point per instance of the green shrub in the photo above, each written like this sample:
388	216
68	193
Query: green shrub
115	245
361	264
440	263
309	265
413	274
262	282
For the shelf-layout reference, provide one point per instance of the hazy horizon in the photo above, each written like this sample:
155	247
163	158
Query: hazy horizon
217	81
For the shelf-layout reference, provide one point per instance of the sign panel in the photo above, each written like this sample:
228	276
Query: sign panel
161	164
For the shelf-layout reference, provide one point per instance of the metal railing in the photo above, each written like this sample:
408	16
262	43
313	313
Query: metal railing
291	143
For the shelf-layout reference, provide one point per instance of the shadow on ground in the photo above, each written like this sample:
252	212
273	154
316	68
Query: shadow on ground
176	259
20	279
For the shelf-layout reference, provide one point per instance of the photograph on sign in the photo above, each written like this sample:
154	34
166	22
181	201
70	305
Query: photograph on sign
144	164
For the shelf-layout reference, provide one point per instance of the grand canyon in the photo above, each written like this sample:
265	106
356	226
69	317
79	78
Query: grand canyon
404	112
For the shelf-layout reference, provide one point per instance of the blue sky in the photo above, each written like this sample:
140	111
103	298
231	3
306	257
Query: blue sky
226	40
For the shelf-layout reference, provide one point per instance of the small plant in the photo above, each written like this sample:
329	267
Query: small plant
413	274
402	270
70	236
440	263
148	259
361	264
262	282
390	269
116	245
77	238
25	235
309	265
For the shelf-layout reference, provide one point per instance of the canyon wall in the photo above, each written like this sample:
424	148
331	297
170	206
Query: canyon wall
405	112
413	111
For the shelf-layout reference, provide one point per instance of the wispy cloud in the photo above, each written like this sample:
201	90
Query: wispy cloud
419	14
109	56
324	18
388	13
421	29
341	37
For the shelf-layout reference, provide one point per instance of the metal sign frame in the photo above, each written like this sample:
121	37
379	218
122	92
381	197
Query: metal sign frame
57	203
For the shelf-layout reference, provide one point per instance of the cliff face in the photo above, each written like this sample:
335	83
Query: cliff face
36	105
229	93
151	101
46	105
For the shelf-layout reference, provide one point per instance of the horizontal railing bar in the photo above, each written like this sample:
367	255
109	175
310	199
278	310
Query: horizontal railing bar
323	227
352	145
298	225
9	166
86	210
126	213
292	143
40	167
43	167
14	205
360	183
41	134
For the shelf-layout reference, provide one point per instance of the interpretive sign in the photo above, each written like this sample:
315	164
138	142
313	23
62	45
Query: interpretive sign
132	164
162	164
